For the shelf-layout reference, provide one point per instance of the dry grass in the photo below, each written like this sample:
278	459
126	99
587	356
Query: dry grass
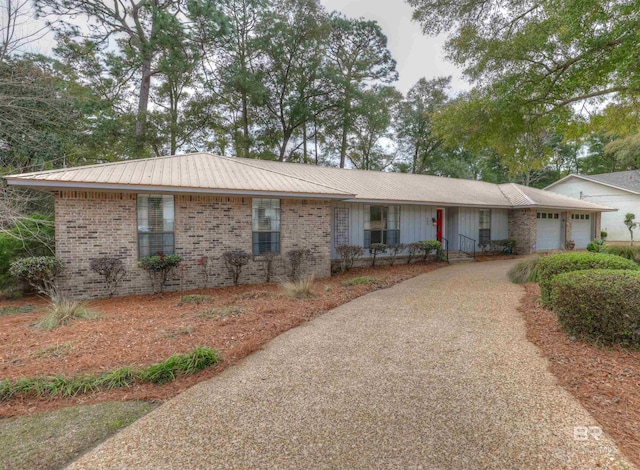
300	289
63	311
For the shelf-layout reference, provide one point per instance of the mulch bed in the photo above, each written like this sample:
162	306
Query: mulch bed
142	330
605	379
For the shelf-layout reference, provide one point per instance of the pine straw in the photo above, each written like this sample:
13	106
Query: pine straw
606	380
141	330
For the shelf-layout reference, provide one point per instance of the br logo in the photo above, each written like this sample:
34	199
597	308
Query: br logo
584	433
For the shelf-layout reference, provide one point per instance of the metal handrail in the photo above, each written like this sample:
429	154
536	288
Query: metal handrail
465	242
445	245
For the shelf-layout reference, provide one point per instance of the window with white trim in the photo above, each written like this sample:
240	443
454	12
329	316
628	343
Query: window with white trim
381	225
266	226
155	225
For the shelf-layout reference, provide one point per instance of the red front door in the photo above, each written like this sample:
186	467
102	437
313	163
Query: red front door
439	221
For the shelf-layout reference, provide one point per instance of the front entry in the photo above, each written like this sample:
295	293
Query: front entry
439	222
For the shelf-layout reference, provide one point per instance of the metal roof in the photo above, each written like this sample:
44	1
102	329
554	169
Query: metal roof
203	172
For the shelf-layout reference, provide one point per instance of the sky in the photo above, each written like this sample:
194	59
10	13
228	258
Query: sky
417	55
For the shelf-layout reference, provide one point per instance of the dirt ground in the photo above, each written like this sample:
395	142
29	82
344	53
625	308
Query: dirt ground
605	379
141	330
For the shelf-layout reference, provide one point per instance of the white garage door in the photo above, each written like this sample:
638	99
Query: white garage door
549	226
581	229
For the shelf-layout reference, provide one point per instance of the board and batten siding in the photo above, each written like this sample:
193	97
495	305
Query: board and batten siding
469	224
415	223
612	222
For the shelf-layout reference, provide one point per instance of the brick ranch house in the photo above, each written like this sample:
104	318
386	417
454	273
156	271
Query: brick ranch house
201	204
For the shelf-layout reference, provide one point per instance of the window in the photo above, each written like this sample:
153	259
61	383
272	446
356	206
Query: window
266	226
381	225
155	225
548	215
485	226
580	217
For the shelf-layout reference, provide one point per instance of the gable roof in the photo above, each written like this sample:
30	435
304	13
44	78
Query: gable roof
203	172
624	180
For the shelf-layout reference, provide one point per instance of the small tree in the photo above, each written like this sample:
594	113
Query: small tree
41	272
394	251
203	264
234	261
348	254
630	222
112	269
159	268
374	249
268	259
412	250
297	259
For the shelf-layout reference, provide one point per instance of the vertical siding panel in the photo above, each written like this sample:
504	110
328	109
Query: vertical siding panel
499	224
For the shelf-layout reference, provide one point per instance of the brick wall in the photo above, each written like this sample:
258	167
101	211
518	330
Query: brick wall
95	224
522	227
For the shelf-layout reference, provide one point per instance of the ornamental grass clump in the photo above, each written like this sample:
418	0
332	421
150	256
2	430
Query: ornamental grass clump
601	305
552	265
525	270
62	311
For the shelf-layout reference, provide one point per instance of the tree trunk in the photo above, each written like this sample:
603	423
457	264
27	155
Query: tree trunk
245	126
304	142
345	128
143	104
415	160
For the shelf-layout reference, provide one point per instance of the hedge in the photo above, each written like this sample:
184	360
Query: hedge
552	265
599	304
629	252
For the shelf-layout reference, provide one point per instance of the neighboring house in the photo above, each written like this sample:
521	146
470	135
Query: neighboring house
203	205
620	190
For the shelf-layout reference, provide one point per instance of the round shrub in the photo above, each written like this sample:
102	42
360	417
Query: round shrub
551	265
599	304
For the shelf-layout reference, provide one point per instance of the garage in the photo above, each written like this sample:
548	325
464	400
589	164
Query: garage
549	228
581	229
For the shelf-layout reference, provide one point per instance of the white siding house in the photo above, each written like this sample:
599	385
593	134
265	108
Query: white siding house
620	190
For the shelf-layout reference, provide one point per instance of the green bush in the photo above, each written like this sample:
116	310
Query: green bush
602	305
41	272
28	236
628	252
597	246
430	246
179	364
552	265
159	268
525	271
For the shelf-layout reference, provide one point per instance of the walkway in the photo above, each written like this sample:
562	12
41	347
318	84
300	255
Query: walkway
434	373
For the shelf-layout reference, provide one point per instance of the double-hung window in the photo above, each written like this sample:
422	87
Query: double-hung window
381	225
484	235
155	225
266	226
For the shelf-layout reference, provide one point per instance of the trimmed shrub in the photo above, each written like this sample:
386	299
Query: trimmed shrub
375	249
41	272
603	234
430	246
412	250
159	268
628	252
268	259
602	305
525	271
348	254
597	246
112	269
552	265
394	251
297	260
508	246
235	261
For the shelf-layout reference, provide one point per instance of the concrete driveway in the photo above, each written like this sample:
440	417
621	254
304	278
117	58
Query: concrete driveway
433	373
